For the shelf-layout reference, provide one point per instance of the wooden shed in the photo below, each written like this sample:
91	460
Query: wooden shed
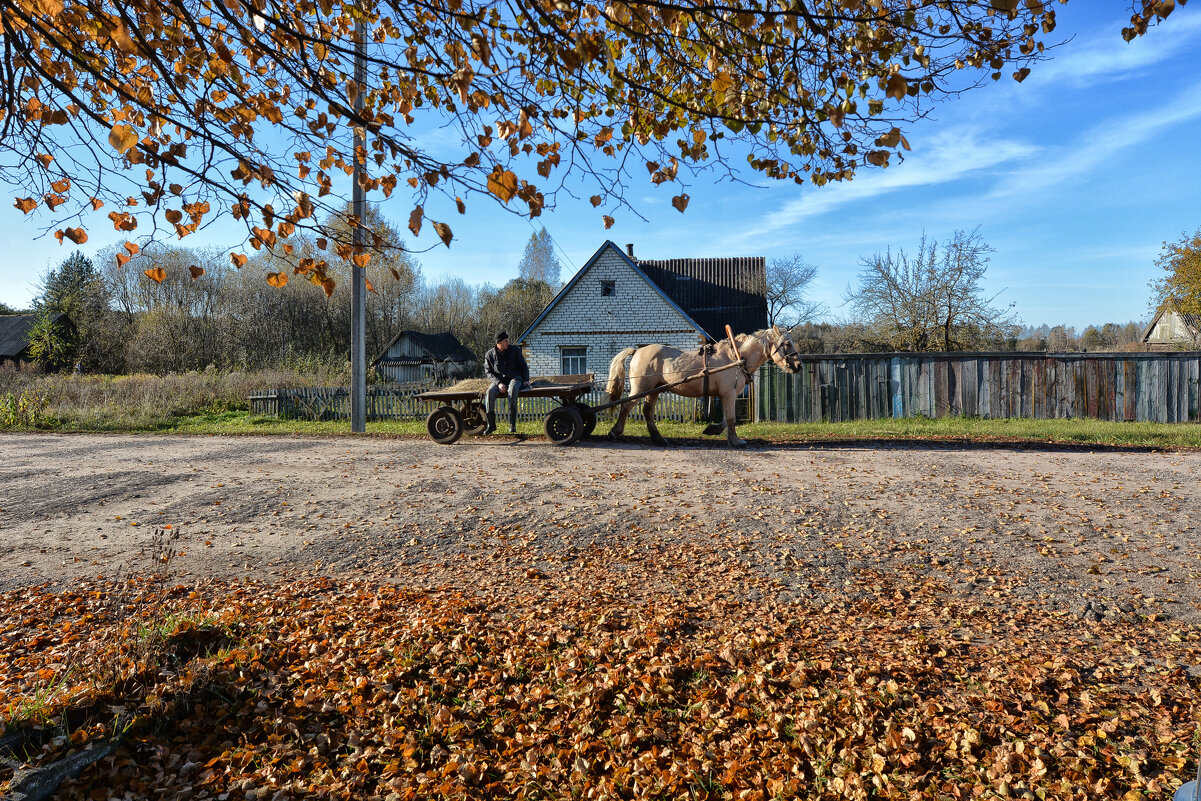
417	356
1172	329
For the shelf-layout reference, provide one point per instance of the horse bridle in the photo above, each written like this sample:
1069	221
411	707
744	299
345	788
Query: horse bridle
776	346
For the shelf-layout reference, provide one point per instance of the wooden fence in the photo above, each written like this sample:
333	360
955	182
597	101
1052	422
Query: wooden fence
399	402
1152	387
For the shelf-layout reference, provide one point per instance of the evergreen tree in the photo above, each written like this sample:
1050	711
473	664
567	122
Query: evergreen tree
539	262
75	288
68	288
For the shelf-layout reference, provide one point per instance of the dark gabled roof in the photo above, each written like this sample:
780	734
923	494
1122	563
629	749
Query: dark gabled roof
718	291
14	332
1193	321
715	292
440	347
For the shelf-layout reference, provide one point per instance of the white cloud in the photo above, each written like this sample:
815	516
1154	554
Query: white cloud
1103	55
1101	144
950	156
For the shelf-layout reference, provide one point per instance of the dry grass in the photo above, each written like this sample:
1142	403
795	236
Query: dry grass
106	402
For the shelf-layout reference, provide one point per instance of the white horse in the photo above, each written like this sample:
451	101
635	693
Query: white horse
659	365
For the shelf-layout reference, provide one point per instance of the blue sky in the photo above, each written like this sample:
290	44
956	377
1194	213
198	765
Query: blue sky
1075	176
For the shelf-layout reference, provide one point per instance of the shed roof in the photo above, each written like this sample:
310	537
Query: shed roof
14	333
441	347
715	292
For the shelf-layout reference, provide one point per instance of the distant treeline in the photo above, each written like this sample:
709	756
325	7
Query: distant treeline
204	312
862	338
233	319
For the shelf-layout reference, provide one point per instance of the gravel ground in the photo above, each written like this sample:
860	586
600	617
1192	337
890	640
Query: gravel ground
1102	535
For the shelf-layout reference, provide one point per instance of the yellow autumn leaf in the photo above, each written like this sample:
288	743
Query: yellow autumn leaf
503	184
156	274
277	280
122	138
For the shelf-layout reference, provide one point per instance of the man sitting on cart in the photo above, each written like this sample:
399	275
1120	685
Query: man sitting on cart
509	373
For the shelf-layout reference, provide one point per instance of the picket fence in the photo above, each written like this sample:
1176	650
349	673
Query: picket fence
1150	387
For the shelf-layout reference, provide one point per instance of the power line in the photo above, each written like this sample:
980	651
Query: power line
556	246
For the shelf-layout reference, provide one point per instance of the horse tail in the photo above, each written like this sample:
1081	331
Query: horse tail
617	373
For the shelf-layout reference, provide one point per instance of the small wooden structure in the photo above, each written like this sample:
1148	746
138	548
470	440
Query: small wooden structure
417	356
1172	329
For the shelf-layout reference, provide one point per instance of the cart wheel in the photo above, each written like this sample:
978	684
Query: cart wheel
474	418
563	425
444	425
588	416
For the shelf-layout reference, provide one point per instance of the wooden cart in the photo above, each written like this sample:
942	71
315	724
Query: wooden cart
462	411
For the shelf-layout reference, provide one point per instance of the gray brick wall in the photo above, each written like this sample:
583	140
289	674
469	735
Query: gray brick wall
634	314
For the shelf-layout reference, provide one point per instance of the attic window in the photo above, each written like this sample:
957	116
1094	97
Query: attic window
608	288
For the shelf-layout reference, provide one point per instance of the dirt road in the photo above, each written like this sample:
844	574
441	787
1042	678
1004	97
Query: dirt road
1104	534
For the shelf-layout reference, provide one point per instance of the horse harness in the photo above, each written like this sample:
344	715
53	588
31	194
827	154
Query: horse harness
709	349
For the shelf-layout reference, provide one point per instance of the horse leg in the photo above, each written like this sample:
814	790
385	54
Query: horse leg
715	426
620	425
729	409
648	412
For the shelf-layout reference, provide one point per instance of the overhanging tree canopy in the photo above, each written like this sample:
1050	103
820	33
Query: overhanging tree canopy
170	112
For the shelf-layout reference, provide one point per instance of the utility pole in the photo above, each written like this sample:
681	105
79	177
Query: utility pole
358	280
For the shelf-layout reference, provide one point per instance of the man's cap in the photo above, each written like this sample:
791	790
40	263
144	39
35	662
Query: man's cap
501	336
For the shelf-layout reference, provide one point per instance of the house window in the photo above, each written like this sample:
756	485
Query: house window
573	361
608	288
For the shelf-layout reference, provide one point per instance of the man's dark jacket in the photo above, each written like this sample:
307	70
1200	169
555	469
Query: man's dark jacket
503	366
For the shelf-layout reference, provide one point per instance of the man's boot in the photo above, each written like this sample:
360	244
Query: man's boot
512	421
491	427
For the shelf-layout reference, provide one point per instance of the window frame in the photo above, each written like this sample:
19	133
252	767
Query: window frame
581	354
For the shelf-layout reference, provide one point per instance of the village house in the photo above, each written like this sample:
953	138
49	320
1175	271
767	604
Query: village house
616	301
416	356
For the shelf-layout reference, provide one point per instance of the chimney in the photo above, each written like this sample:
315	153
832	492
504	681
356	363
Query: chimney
630	250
